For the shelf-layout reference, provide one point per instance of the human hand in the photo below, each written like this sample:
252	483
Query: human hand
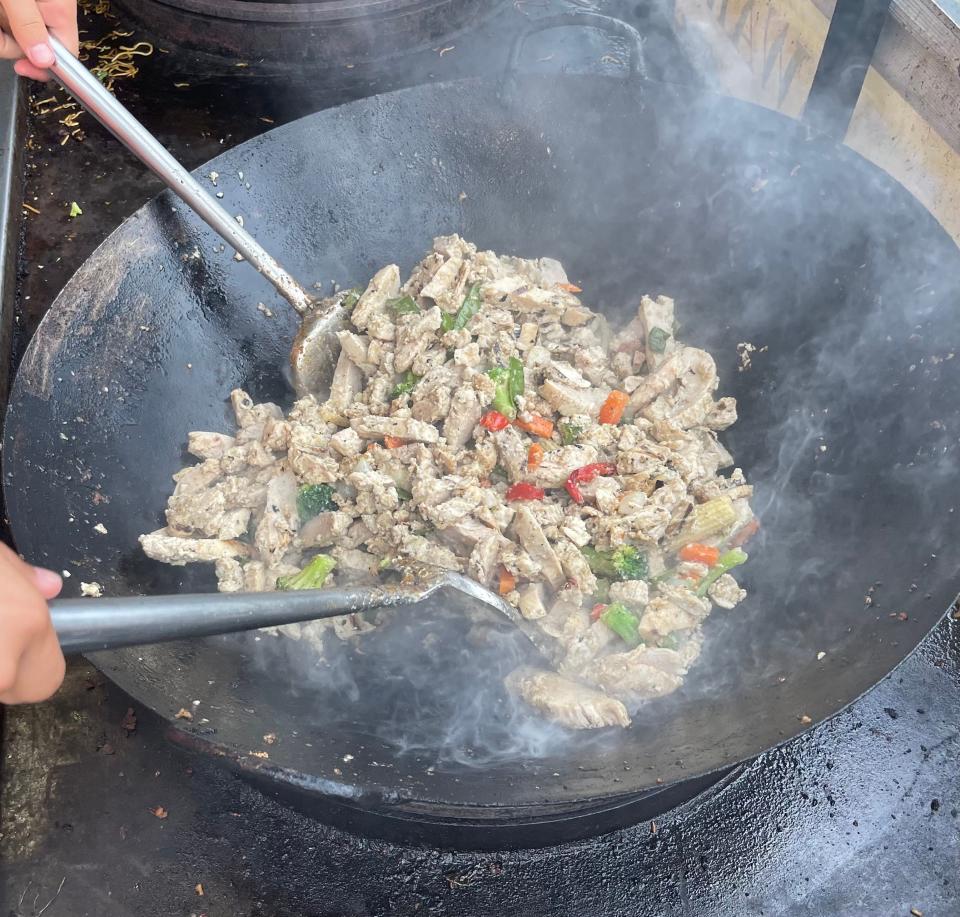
31	664
24	36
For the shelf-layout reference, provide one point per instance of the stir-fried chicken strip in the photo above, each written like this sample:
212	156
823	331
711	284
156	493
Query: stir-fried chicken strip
484	419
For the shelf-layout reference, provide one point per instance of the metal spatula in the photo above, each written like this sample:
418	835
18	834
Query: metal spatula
313	356
88	625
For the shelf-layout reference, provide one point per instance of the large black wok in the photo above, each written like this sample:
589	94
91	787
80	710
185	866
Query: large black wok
849	421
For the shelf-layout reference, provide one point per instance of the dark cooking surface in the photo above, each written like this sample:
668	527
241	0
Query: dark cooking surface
844	423
857	817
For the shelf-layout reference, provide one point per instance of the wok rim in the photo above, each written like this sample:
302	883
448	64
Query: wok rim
397	796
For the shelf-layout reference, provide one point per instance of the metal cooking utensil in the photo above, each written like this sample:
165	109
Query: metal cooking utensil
85	625
88	625
313	355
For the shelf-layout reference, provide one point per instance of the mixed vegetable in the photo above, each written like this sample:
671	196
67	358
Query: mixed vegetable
483	419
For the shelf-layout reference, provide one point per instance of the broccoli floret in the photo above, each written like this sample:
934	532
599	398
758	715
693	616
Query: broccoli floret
630	563
310	577
313	499
622	563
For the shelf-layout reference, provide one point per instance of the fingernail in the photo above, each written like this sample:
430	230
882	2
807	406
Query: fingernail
46	579
41	55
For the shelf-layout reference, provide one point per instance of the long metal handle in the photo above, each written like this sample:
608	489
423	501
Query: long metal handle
91	93
87	625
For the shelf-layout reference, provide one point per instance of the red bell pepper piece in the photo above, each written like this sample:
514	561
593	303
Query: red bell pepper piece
524	491
494	420
586	474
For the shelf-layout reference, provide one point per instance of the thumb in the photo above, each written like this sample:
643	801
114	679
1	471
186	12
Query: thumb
29	30
48	582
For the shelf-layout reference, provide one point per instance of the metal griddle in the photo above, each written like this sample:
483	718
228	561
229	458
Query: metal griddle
763	232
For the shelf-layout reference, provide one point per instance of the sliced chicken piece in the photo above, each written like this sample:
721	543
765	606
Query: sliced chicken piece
692	401
276	435
576	315
646	526
356	347
567	618
689	371
662	617
313	469
244	456
420	549
575	566
722	415
446	286
415	333
512	453
550	303
560	371
551	272
229	575
279	523
557	464
634	593
197	478
726	592
635	675
532	601
242	492
250	415
324	529
683	598
463	416
575	528
483	558
468	355
385	285
431	395
255	577
606	494
536	545
209	445
171	549
205	513
347	442
467	532
590	643
355	564
376	491
567	702
347	383
402	427
568	400
451	511
547	514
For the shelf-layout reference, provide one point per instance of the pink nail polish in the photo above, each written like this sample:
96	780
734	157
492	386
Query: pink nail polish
41	55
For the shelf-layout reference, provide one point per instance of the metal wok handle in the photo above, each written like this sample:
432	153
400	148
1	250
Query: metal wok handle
637	66
91	93
88	625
